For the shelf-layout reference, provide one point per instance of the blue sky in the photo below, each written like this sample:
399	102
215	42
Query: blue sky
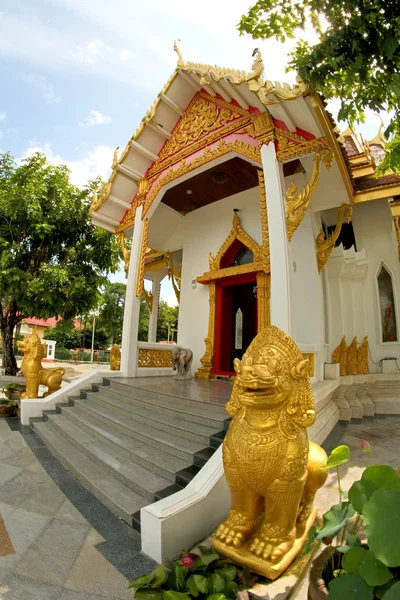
78	75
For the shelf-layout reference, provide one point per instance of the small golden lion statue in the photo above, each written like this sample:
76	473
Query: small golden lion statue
33	371
115	358
272	470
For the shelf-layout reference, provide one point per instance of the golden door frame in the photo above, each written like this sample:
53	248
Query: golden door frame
260	266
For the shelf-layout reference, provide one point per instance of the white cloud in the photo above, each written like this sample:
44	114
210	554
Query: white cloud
94	162
47	89
96	118
2	116
91	52
126	54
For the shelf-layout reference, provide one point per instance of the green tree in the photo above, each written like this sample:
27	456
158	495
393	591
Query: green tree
144	316
52	260
167	317
112	311
357	58
64	333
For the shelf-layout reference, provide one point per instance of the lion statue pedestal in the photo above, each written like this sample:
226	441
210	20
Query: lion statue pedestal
272	470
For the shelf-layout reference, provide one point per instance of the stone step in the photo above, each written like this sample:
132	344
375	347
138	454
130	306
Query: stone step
121	500
167	442
142	481
169	406
141	453
132	389
160	420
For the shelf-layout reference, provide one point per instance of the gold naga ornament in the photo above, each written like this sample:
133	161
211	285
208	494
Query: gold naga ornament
272	470
115	358
35	375
298	202
326	246
352	360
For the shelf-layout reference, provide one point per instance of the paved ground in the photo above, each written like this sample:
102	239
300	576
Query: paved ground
57	542
50	550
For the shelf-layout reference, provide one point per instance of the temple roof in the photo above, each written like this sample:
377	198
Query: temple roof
243	89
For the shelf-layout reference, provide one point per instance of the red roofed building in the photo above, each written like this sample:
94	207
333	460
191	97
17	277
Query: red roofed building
39	325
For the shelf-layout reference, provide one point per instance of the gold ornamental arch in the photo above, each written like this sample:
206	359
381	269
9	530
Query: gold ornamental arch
260	266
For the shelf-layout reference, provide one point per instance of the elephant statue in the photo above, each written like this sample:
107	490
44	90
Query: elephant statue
182	362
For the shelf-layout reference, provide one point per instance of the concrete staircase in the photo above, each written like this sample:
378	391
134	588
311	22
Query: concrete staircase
130	446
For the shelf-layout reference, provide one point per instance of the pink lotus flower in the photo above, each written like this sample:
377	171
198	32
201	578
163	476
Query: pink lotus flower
187	561
365	446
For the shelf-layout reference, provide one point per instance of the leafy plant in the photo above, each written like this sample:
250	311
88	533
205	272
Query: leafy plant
204	576
365	561
356	57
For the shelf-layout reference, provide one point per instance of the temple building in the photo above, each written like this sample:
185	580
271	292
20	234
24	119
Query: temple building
246	196
260	212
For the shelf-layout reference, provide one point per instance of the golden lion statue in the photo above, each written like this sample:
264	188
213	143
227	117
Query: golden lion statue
32	369
272	470
115	358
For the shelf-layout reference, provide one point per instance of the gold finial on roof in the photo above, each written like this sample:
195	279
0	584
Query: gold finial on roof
257	68
181	62
115	158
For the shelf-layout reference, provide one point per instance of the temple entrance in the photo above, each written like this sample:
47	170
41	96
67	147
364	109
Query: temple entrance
236	320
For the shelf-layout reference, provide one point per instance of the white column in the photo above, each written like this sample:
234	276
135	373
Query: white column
129	350
278	242
155	290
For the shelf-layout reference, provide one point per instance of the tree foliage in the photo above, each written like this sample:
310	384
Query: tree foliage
52	260
112	311
167	316
357	58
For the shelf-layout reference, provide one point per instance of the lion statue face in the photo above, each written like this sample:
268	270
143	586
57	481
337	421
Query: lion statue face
268	373
30	343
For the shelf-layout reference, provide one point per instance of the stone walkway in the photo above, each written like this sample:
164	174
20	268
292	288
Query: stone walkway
50	550
57	542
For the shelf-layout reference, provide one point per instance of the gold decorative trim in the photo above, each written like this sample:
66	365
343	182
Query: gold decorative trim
260	267
154	359
298	202
362	357
310	356
213	275
174	275
236	233
263	299
258	126
148	296
97	200
339	356
206	360
293	150
380	192
397	228
351	358
325	246
143	246
330	134
201	118
263	214
126	254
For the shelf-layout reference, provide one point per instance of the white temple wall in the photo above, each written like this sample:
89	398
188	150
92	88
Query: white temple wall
199	234
374	231
307	300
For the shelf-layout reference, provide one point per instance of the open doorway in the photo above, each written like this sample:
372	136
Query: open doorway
236	320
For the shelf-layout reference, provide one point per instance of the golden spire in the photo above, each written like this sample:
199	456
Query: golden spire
379	139
181	62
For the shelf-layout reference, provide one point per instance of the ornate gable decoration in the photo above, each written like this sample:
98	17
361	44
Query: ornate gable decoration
205	120
236	233
200	119
260	260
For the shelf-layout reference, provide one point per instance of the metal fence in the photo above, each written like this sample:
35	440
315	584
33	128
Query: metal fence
80	355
